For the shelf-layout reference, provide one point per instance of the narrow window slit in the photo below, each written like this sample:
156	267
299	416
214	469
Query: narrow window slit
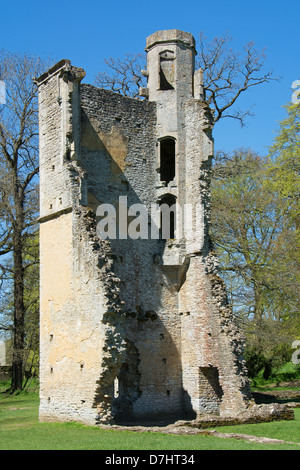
167	160
167	217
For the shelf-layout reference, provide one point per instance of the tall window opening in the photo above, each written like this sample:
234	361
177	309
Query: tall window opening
167	217
167	160
166	70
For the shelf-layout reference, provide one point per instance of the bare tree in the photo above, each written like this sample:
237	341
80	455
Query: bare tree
226	73
18	184
125	77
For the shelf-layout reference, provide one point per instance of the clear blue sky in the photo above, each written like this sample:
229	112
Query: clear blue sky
86	32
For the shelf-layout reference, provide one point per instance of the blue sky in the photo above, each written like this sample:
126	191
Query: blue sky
88	32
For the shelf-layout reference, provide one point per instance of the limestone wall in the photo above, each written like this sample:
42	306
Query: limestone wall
76	295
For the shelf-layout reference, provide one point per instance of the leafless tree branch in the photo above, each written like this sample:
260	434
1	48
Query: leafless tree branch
227	74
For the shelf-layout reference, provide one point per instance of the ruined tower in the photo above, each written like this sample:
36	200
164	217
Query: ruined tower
132	327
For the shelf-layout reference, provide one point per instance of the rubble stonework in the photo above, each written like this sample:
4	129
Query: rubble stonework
131	328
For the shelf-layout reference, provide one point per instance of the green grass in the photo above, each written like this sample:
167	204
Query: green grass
285	430
21	430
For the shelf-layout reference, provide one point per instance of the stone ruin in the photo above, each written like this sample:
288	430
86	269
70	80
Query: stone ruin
132	329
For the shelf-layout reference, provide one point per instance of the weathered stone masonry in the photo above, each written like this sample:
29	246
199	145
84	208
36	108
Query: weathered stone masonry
131	329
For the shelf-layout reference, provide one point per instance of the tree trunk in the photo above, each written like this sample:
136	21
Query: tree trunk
258	317
19	313
19	309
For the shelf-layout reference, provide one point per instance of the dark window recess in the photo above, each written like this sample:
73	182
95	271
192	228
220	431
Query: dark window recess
166	70
167	217
68	155
167	160
163	82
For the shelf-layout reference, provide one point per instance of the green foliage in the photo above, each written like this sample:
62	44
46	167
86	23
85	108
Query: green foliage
272	366
284	180
31	306
255	232
246	222
284	373
255	361
285	167
287	372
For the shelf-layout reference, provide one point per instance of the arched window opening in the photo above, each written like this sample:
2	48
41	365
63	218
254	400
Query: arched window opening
167	217
167	160
166	70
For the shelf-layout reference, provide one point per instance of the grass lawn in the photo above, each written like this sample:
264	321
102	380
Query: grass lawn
21	430
284	430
